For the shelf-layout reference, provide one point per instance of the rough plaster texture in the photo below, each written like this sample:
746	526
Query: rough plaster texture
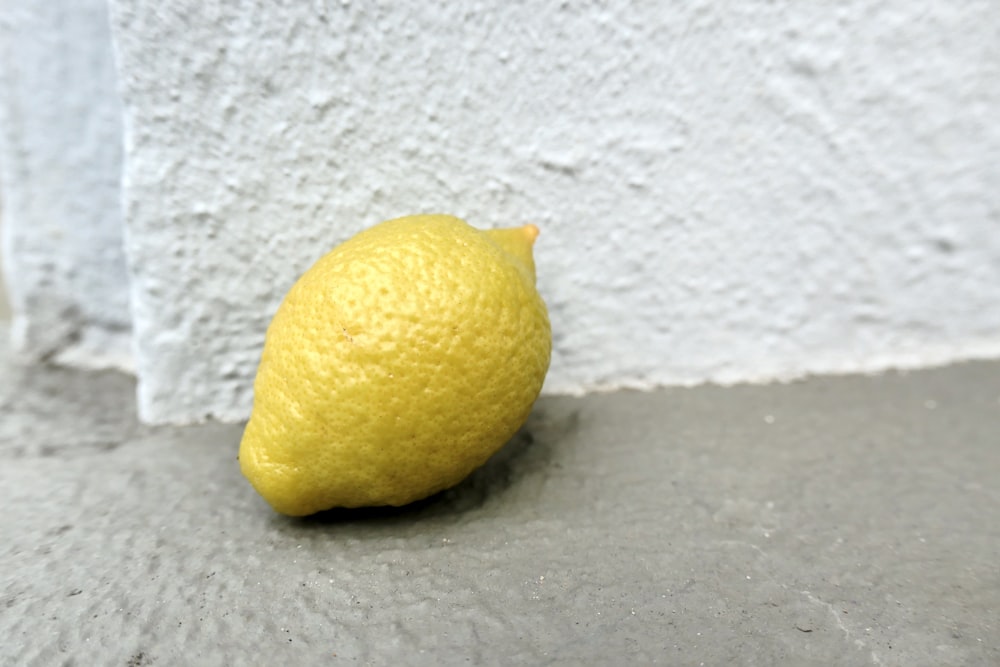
4	306
726	191
839	521
60	167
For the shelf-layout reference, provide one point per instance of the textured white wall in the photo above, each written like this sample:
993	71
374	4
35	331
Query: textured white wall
60	166
726	191
4	306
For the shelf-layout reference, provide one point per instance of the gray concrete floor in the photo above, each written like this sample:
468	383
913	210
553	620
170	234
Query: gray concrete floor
837	521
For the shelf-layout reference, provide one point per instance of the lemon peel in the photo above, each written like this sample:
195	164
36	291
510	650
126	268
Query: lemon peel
397	365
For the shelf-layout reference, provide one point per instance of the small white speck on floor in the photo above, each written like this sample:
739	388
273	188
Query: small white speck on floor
633	612
930	404
748	577
768	419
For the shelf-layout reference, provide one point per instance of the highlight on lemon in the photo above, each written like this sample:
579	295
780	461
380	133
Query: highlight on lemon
397	365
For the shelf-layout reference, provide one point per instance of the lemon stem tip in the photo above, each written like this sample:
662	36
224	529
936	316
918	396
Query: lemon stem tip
531	231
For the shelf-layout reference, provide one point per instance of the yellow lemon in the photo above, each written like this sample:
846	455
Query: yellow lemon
396	366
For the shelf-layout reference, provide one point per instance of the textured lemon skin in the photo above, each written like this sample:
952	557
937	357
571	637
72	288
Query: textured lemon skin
396	365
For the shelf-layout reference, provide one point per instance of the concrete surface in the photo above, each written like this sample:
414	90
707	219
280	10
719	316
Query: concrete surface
847	521
60	167
726	191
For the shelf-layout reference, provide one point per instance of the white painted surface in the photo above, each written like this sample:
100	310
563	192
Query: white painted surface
4	306
726	191
60	166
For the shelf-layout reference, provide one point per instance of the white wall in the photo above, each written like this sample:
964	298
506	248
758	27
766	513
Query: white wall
4	306
60	166
726	191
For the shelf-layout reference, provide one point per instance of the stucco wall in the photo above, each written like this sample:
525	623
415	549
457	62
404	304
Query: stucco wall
60	166
4	306
726	191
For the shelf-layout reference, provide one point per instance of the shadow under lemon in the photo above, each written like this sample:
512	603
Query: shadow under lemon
526	457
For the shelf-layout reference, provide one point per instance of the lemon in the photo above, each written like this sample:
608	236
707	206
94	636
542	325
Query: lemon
396	366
